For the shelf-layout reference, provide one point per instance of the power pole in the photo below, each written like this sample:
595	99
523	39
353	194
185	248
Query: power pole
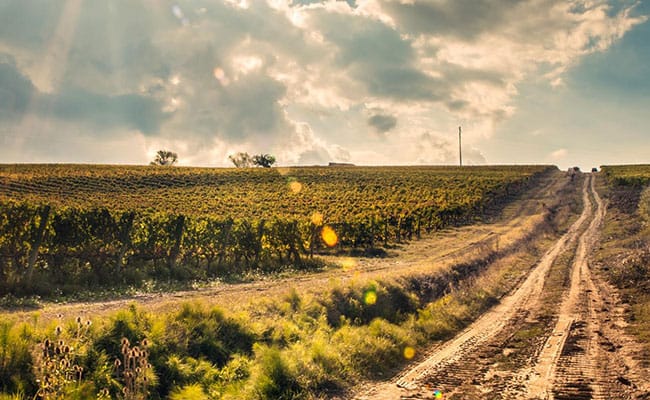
460	148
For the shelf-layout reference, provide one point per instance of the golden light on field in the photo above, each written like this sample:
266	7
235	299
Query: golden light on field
295	186
329	236
370	297
409	352
317	218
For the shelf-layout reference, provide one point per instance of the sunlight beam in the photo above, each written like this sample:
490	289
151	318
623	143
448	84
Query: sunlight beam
48	73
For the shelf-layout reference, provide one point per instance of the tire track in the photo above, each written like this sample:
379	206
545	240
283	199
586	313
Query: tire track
580	359
456	366
561	343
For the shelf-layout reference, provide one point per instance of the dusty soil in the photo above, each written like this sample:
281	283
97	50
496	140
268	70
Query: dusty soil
558	335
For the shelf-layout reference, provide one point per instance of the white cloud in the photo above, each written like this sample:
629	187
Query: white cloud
559	154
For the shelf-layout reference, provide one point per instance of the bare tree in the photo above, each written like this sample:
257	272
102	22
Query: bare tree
165	158
241	160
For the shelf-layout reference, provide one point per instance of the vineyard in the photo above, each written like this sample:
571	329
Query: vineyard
627	175
67	226
630	188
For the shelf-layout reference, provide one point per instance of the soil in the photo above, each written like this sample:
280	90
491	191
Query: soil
550	338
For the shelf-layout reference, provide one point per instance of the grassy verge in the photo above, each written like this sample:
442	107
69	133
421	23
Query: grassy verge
624	254
296	347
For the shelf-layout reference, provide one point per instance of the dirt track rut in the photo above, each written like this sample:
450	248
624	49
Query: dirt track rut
528	348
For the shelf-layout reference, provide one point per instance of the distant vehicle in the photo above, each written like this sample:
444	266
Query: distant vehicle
594	169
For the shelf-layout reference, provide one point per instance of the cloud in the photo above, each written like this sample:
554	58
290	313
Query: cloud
375	55
15	91
465	19
301	79
131	111
433	149
559	154
382	123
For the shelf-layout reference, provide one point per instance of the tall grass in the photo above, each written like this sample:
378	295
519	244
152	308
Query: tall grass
298	346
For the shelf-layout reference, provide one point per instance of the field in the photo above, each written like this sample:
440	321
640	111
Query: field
339	194
498	298
63	227
627	175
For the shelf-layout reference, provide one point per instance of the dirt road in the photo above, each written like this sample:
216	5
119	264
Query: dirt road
559	335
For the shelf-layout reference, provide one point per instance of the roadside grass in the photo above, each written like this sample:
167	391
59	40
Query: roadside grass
623	256
301	346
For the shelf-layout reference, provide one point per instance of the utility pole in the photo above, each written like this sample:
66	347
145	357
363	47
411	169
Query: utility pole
460	148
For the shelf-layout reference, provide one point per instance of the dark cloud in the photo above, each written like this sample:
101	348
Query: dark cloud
465	19
386	62
378	56
105	112
16	91
351	3
250	107
18	97
382	123
457	105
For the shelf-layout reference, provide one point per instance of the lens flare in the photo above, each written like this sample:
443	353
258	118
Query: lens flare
329	236
409	352
370	297
220	75
317	218
437	394
348	263
295	186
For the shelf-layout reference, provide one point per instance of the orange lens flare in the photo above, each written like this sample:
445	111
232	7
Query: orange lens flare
295	187
409	352
317	218
329	236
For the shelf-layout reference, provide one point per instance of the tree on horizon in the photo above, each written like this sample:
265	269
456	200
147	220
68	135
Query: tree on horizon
165	158
264	160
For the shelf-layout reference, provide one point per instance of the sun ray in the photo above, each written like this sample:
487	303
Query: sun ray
49	71
113	40
56	56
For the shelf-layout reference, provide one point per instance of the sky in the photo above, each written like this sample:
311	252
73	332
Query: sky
370	82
